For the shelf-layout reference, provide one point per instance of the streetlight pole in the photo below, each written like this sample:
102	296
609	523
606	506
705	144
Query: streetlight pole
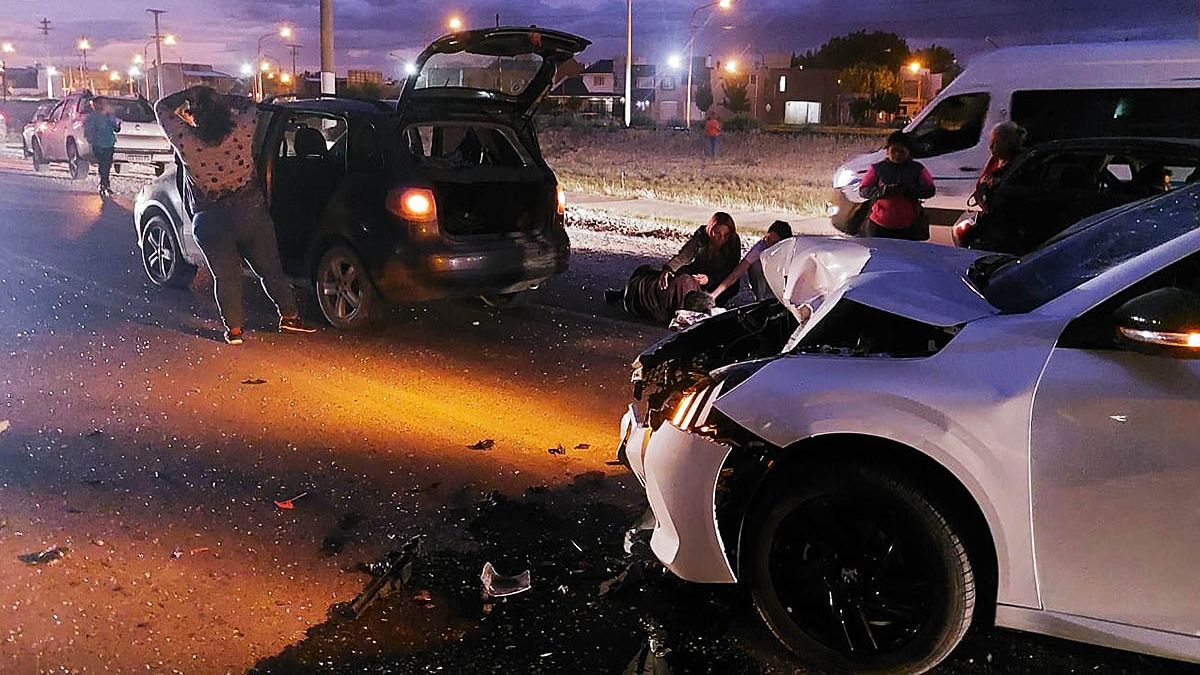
328	81
294	48
628	63
5	48
723	4
157	51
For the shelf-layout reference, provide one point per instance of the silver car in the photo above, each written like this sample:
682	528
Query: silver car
911	440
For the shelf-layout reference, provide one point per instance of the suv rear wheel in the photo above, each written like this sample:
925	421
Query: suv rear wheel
344	292
39	159
856	570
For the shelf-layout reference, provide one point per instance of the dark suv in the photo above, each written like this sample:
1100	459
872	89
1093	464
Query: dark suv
443	194
1057	184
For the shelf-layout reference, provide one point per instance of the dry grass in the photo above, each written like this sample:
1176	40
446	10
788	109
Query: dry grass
753	170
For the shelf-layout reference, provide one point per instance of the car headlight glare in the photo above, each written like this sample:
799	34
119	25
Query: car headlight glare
843	178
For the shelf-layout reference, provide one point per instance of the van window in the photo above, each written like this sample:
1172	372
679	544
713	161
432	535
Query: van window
955	124
1088	113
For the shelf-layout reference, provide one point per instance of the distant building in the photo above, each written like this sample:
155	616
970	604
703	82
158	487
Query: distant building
357	78
793	96
918	86
179	76
591	92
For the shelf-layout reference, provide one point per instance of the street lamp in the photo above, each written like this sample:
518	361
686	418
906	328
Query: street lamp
5	48
674	62
284	32
455	23
723	5
247	70
169	39
914	67
731	66
84	45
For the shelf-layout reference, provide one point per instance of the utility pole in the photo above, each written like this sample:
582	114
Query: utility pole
44	29
157	50
328	80
294	48
628	62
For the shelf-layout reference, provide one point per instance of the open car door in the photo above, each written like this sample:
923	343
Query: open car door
508	69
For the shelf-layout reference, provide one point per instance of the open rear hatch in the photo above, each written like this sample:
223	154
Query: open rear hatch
507	69
467	110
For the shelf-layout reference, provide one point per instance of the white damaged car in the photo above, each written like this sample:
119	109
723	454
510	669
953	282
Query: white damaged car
912	440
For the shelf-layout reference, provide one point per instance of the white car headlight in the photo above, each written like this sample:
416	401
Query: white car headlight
842	178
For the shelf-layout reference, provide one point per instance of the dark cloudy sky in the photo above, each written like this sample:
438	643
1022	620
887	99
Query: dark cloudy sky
224	32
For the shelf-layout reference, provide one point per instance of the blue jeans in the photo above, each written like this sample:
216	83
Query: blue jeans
712	146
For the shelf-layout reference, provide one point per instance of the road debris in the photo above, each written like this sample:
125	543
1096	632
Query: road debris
289	504
4	425
497	585
485	444
583	446
557	450
47	557
392	573
256	380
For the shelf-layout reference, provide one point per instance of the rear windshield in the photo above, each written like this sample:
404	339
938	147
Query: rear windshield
510	75
128	109
454	146
1089	113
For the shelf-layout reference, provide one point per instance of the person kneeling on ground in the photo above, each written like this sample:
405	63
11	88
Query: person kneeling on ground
213	135
685	281
752	265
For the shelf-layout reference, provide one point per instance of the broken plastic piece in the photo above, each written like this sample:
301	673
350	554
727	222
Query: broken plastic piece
499	586
557	450
254	381
391	573
288	504
50	555
583	446
423	596
4	425
485	444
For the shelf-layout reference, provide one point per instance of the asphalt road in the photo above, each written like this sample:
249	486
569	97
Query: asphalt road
154	454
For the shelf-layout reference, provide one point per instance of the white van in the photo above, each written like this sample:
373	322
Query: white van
1055	91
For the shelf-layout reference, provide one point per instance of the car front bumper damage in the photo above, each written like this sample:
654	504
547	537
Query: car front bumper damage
680	472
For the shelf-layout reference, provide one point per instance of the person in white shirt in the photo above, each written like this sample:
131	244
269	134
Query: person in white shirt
751	264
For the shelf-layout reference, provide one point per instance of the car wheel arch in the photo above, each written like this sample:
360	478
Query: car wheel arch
937	483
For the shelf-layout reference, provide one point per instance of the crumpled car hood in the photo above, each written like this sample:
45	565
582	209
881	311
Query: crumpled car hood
916	280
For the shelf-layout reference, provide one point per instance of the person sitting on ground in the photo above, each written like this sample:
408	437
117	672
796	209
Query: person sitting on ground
895	188
752	265
656	293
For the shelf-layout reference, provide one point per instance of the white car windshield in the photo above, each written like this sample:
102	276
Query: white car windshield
1089	248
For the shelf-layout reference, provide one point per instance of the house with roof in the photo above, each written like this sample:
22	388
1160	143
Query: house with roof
590	92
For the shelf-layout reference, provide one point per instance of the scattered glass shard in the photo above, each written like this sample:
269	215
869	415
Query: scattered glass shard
497	585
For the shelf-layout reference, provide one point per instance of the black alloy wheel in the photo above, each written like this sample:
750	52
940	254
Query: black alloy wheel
162	256
78	165
345	294
39	159
855	570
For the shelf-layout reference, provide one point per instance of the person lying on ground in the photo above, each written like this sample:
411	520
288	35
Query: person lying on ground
752	265
709	255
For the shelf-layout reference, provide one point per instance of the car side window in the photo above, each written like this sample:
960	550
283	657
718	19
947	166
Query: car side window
1096	330
314	138
56	114
955	124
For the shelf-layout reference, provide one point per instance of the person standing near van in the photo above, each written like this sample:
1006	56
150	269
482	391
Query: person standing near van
213	135
1005	142
895	188
100	129
712	130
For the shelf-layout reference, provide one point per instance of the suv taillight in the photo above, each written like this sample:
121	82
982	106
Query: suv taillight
417	206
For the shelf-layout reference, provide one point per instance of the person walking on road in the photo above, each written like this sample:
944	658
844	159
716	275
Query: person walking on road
656	293
213	136
751	264
100	128
895	188
712	130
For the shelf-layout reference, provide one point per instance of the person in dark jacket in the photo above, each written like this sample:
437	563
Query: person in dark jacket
751	264
895	188
213	135
100	128
684	282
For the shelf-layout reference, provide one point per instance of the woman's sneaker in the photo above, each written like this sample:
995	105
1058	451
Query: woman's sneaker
293	324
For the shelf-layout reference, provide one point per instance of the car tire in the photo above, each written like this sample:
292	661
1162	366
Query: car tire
502	300
345	294
78	166
854	570
160	169
162	256
39	159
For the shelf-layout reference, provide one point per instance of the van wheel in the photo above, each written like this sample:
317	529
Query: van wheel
162	256
78	165
345	295
855	571
39	159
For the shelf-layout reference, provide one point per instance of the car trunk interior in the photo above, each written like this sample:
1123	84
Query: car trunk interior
485	181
